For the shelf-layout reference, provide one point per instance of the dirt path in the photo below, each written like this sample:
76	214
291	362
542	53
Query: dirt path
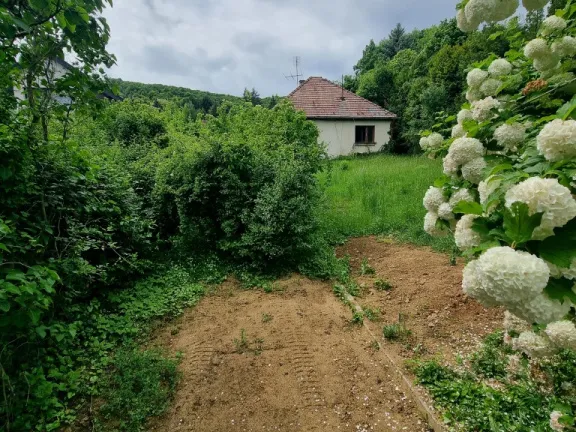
301	365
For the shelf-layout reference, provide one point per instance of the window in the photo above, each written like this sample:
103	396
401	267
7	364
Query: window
365	135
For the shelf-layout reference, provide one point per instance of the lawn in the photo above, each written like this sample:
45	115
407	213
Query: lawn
379	194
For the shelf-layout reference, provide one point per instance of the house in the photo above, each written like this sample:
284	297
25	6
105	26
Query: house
54	69
348	123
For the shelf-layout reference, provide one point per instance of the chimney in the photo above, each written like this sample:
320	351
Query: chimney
302	82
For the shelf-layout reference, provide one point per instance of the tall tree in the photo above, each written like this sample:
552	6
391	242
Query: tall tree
395	42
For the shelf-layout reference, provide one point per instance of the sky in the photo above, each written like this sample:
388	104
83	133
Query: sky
224	46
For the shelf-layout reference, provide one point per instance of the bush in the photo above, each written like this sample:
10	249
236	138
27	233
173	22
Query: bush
248	188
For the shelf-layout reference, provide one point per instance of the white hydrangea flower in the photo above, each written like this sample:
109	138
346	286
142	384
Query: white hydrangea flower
552	24
562	334
445	212
490	87
473	171
502	9
472	286
433	199
464	115
557	140
514	366
555	424
464	24
510	136
513	323
537	48
499	68
534	4
533	345
547	63
458	131
473	95
475	10
565	47
482	109
464	150
450	166
541	309
509	276
476	77
435	141
430	225
544	196
424	143
460	195
465	236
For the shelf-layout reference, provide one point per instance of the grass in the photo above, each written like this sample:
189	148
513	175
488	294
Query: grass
381	195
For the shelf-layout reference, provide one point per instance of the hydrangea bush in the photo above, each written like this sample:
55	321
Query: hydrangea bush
510	175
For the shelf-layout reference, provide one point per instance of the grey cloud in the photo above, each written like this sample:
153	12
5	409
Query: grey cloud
167	60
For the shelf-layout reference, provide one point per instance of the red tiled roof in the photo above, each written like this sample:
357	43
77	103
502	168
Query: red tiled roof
322	99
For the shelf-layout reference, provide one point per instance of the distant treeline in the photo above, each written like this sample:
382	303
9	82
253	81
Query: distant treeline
192	101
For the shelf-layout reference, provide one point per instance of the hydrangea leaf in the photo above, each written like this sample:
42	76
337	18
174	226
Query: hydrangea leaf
468	207
567	110
560	289
519	224
560	249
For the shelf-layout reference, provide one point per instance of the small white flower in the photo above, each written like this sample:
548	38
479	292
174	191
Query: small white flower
464	150
552	24
476	77
464	115
450	166
499	68
435	141
430	225
557	140
537	48
424	143
533	345
534	4
545	196
458	131
555	424
510	136
482	110
465	236
459	196
490	87
445	212
562	334
565	47
473	171
433	199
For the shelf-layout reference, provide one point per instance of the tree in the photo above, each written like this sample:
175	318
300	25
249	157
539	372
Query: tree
396	42
368	60
252	96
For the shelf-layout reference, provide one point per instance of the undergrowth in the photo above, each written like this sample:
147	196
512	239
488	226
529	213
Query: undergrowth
500	390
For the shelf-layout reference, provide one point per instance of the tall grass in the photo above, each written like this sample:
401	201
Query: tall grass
379	194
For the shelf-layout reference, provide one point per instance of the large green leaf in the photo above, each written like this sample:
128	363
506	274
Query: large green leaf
518	224
560	289
560	249
567	110
468	207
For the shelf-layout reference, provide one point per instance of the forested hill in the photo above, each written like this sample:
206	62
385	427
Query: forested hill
193	101
421	73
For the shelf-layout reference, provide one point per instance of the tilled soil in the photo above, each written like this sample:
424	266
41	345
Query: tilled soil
292	361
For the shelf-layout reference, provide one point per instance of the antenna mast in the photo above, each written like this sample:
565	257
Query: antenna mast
297	64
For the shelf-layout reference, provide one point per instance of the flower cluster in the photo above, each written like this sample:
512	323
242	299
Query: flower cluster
478	11
557	336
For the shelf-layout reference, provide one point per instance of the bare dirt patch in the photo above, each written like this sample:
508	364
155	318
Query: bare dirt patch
292	361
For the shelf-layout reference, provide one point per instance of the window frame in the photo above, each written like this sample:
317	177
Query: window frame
367	131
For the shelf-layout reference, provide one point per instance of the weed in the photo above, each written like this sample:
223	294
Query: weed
371	313
357	318
375	346
140	386
382	285
266	318
396	331
366	268
243	345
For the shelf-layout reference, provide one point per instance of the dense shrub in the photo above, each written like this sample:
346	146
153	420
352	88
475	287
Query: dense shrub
247	188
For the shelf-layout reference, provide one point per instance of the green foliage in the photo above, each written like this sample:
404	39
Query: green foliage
516	402
380	194
366	268
139	385
382	285
396	331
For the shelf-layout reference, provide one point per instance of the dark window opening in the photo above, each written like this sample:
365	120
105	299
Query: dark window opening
365	134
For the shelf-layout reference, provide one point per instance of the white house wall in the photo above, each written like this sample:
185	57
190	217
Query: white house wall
339	136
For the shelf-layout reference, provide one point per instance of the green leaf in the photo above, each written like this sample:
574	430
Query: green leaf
41	331
560	289
567	109
3	247
467	207
560	249
4	305
518	224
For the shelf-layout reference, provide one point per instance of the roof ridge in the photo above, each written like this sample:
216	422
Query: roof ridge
300	85
355	95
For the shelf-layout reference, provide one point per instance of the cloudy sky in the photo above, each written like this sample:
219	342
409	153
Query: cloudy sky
226	45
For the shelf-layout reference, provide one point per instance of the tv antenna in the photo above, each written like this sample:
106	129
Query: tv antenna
297	64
